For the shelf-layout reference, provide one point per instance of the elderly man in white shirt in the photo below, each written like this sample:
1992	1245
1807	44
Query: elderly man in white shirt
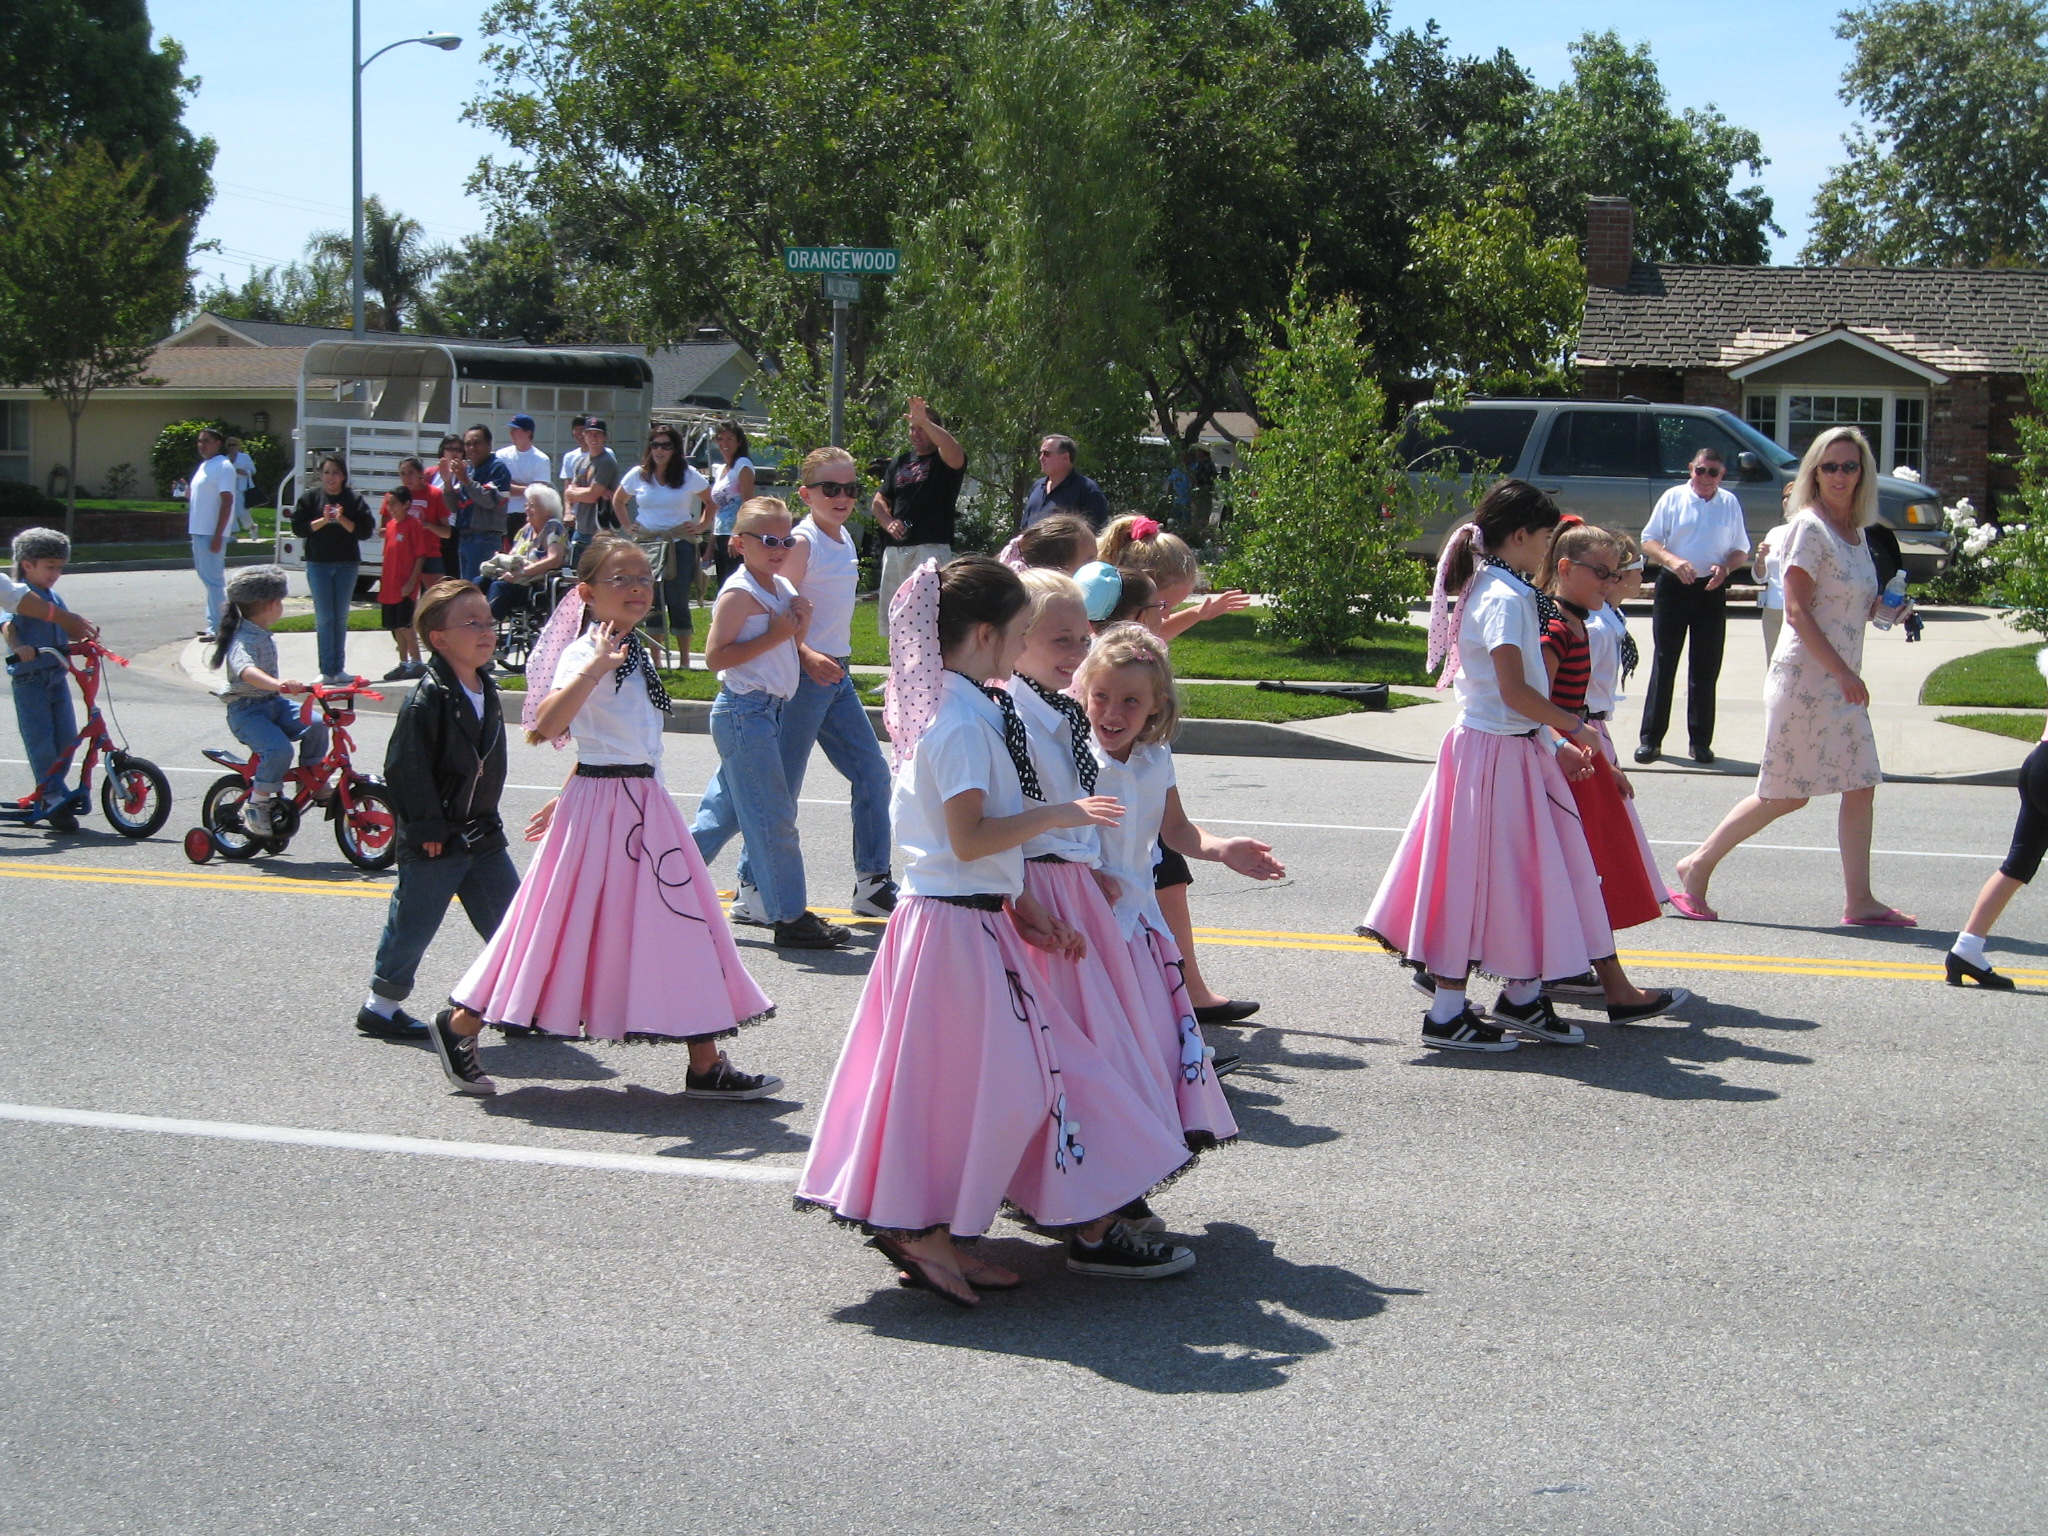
1696	535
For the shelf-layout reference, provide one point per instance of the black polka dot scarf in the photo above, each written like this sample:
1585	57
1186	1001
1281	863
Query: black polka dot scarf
1015	740
1546	605
1077	721
637	661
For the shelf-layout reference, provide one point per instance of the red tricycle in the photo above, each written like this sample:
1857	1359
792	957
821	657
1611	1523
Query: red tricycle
135	796
354	802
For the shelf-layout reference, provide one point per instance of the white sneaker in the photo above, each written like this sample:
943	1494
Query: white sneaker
256	817
746	908
874	896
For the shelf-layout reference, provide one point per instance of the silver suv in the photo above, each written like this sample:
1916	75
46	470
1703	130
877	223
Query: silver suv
1610	461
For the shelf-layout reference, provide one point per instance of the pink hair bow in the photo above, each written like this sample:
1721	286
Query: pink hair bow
1443	627
917	672
1144	527
562	628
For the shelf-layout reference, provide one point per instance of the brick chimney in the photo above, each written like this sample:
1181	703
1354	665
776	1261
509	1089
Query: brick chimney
1610	241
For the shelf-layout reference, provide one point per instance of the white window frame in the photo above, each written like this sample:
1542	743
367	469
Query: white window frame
26	451
1887	451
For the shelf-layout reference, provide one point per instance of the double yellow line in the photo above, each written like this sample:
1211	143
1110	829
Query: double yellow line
211	878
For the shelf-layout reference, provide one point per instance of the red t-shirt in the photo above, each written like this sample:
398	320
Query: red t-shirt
406	544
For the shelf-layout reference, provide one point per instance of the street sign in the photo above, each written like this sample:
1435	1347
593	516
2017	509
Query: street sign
844	259
844	289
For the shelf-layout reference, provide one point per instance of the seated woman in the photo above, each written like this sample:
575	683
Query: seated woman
517	577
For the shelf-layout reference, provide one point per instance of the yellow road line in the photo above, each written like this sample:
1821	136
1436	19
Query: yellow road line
1850	967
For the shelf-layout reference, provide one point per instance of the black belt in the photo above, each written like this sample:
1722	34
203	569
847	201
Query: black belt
1050	858
615	770
1597	714
978	903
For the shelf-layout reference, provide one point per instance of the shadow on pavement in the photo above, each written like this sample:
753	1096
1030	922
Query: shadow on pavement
1257	1118
735	1131
1232	1324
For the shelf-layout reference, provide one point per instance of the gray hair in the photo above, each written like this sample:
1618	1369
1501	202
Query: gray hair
41	544
546	497
258	584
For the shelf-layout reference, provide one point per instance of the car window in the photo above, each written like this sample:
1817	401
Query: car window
1680	437
1600	443
1461	441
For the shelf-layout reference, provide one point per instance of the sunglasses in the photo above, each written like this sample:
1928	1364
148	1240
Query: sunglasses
835	487
1852	468
773	541
663	442
1711	471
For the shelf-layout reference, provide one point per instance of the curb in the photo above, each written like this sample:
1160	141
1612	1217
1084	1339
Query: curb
92	567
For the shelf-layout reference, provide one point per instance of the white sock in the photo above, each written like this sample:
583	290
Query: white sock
1523	993
1447	1004
383	1007
1970	947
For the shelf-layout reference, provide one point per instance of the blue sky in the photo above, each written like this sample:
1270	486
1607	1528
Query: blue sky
275	97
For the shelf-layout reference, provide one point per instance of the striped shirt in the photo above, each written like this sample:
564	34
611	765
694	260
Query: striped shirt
1574	662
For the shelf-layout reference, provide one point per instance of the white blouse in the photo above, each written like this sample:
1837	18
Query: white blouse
1050	737
962	750
1605	626
777	669
618	723
1129	851
657	507
1497	609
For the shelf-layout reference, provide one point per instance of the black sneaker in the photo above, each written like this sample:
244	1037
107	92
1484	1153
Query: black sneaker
1538	1020
1583	988
810	931
1467	1032
1140	1217
1420	979
1223	1066
1123	1255
400	1026
726	1081
458	1057
1659	1004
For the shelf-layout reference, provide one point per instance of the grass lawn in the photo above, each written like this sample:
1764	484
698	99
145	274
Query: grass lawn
2002	679
1228	701
2018	727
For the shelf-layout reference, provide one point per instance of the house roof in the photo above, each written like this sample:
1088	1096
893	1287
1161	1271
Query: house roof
682	370
1954	321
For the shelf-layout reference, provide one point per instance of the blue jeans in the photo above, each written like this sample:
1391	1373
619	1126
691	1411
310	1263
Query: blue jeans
333	585
750	794
834	719
268	726
484	883
212	566
42	708
474	547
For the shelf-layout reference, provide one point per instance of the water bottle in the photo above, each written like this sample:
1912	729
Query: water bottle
1892	601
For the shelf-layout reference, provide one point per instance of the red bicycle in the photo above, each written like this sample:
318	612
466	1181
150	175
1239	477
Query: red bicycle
355	802
135	796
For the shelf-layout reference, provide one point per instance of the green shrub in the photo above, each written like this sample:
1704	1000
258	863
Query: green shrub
20	499
176	455
119	484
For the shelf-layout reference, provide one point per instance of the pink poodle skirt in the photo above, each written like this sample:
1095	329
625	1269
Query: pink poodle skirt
617	932
962	1086
1131	1001
1635	821
1493	872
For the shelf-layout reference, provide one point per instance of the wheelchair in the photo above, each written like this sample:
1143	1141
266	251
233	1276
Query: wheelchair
520	629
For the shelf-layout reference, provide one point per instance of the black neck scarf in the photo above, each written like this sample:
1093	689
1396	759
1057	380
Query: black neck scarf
637	661
1078	730
1015	739
1546	605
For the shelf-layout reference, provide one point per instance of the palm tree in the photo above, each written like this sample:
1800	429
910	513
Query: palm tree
398	263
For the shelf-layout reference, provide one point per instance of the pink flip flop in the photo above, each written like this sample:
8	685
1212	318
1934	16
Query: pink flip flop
1890	917
1683	905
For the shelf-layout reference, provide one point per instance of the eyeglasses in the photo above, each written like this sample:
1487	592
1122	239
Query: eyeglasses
1600	572
474	626
771	541
1711	471
626	583
835	487
1855	467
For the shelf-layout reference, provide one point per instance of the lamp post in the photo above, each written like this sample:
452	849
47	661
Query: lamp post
445	41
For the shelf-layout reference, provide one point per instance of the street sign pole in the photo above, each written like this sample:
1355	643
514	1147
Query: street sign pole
839	308
839	270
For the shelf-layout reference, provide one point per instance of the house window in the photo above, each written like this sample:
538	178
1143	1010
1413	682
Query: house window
1761	412
14	441
1807	416
1909	434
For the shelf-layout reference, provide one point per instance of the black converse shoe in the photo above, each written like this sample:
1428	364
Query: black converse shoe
1419	978
1660	1003
1583	988
400	1026
1538	1020
810	931
874	896
1469	1031
1123	1255
726	1081
458	1057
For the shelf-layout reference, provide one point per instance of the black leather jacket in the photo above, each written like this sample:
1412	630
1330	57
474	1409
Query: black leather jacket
445	769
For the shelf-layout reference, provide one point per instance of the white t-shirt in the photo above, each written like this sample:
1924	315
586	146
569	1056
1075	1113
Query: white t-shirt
1049	735
245	481
725	494
12	592
1703	532
476	697
1128	849
202	503
658	507
1774	570
777	669
1497	609
962	750
618	723
1604	628
831	583
529	466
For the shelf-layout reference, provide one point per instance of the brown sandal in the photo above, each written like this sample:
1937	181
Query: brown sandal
917	1273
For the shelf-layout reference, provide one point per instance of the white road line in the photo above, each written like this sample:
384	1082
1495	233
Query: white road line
417	1146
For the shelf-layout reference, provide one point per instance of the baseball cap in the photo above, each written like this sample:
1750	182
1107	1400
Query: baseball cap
594	424
522	421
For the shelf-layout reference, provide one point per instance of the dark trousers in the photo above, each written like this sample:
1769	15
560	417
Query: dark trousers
485	885
1682	613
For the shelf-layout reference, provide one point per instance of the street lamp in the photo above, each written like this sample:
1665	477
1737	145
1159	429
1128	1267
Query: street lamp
445	41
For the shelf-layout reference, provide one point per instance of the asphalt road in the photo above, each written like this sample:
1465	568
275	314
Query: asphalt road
1774	1267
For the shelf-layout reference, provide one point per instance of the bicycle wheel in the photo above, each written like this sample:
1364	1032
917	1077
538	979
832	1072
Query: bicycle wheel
135	796
221	814
367	834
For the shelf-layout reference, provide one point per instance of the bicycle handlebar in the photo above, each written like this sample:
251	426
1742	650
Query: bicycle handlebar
88	648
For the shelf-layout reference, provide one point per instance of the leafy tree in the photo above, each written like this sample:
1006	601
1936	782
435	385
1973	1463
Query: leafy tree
2019	559
88	279
1955	170
308	293
1506	302
398	264
176	451
1018	310
508	284
85	69
1324	505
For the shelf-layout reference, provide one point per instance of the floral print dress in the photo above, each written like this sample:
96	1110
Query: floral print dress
1815	741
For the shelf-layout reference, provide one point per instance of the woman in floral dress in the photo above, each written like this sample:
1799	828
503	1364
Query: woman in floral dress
1817	735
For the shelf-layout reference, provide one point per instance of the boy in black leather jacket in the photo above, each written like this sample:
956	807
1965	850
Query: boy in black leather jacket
444	772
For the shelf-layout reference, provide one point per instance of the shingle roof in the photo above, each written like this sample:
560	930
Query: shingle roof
1672	316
